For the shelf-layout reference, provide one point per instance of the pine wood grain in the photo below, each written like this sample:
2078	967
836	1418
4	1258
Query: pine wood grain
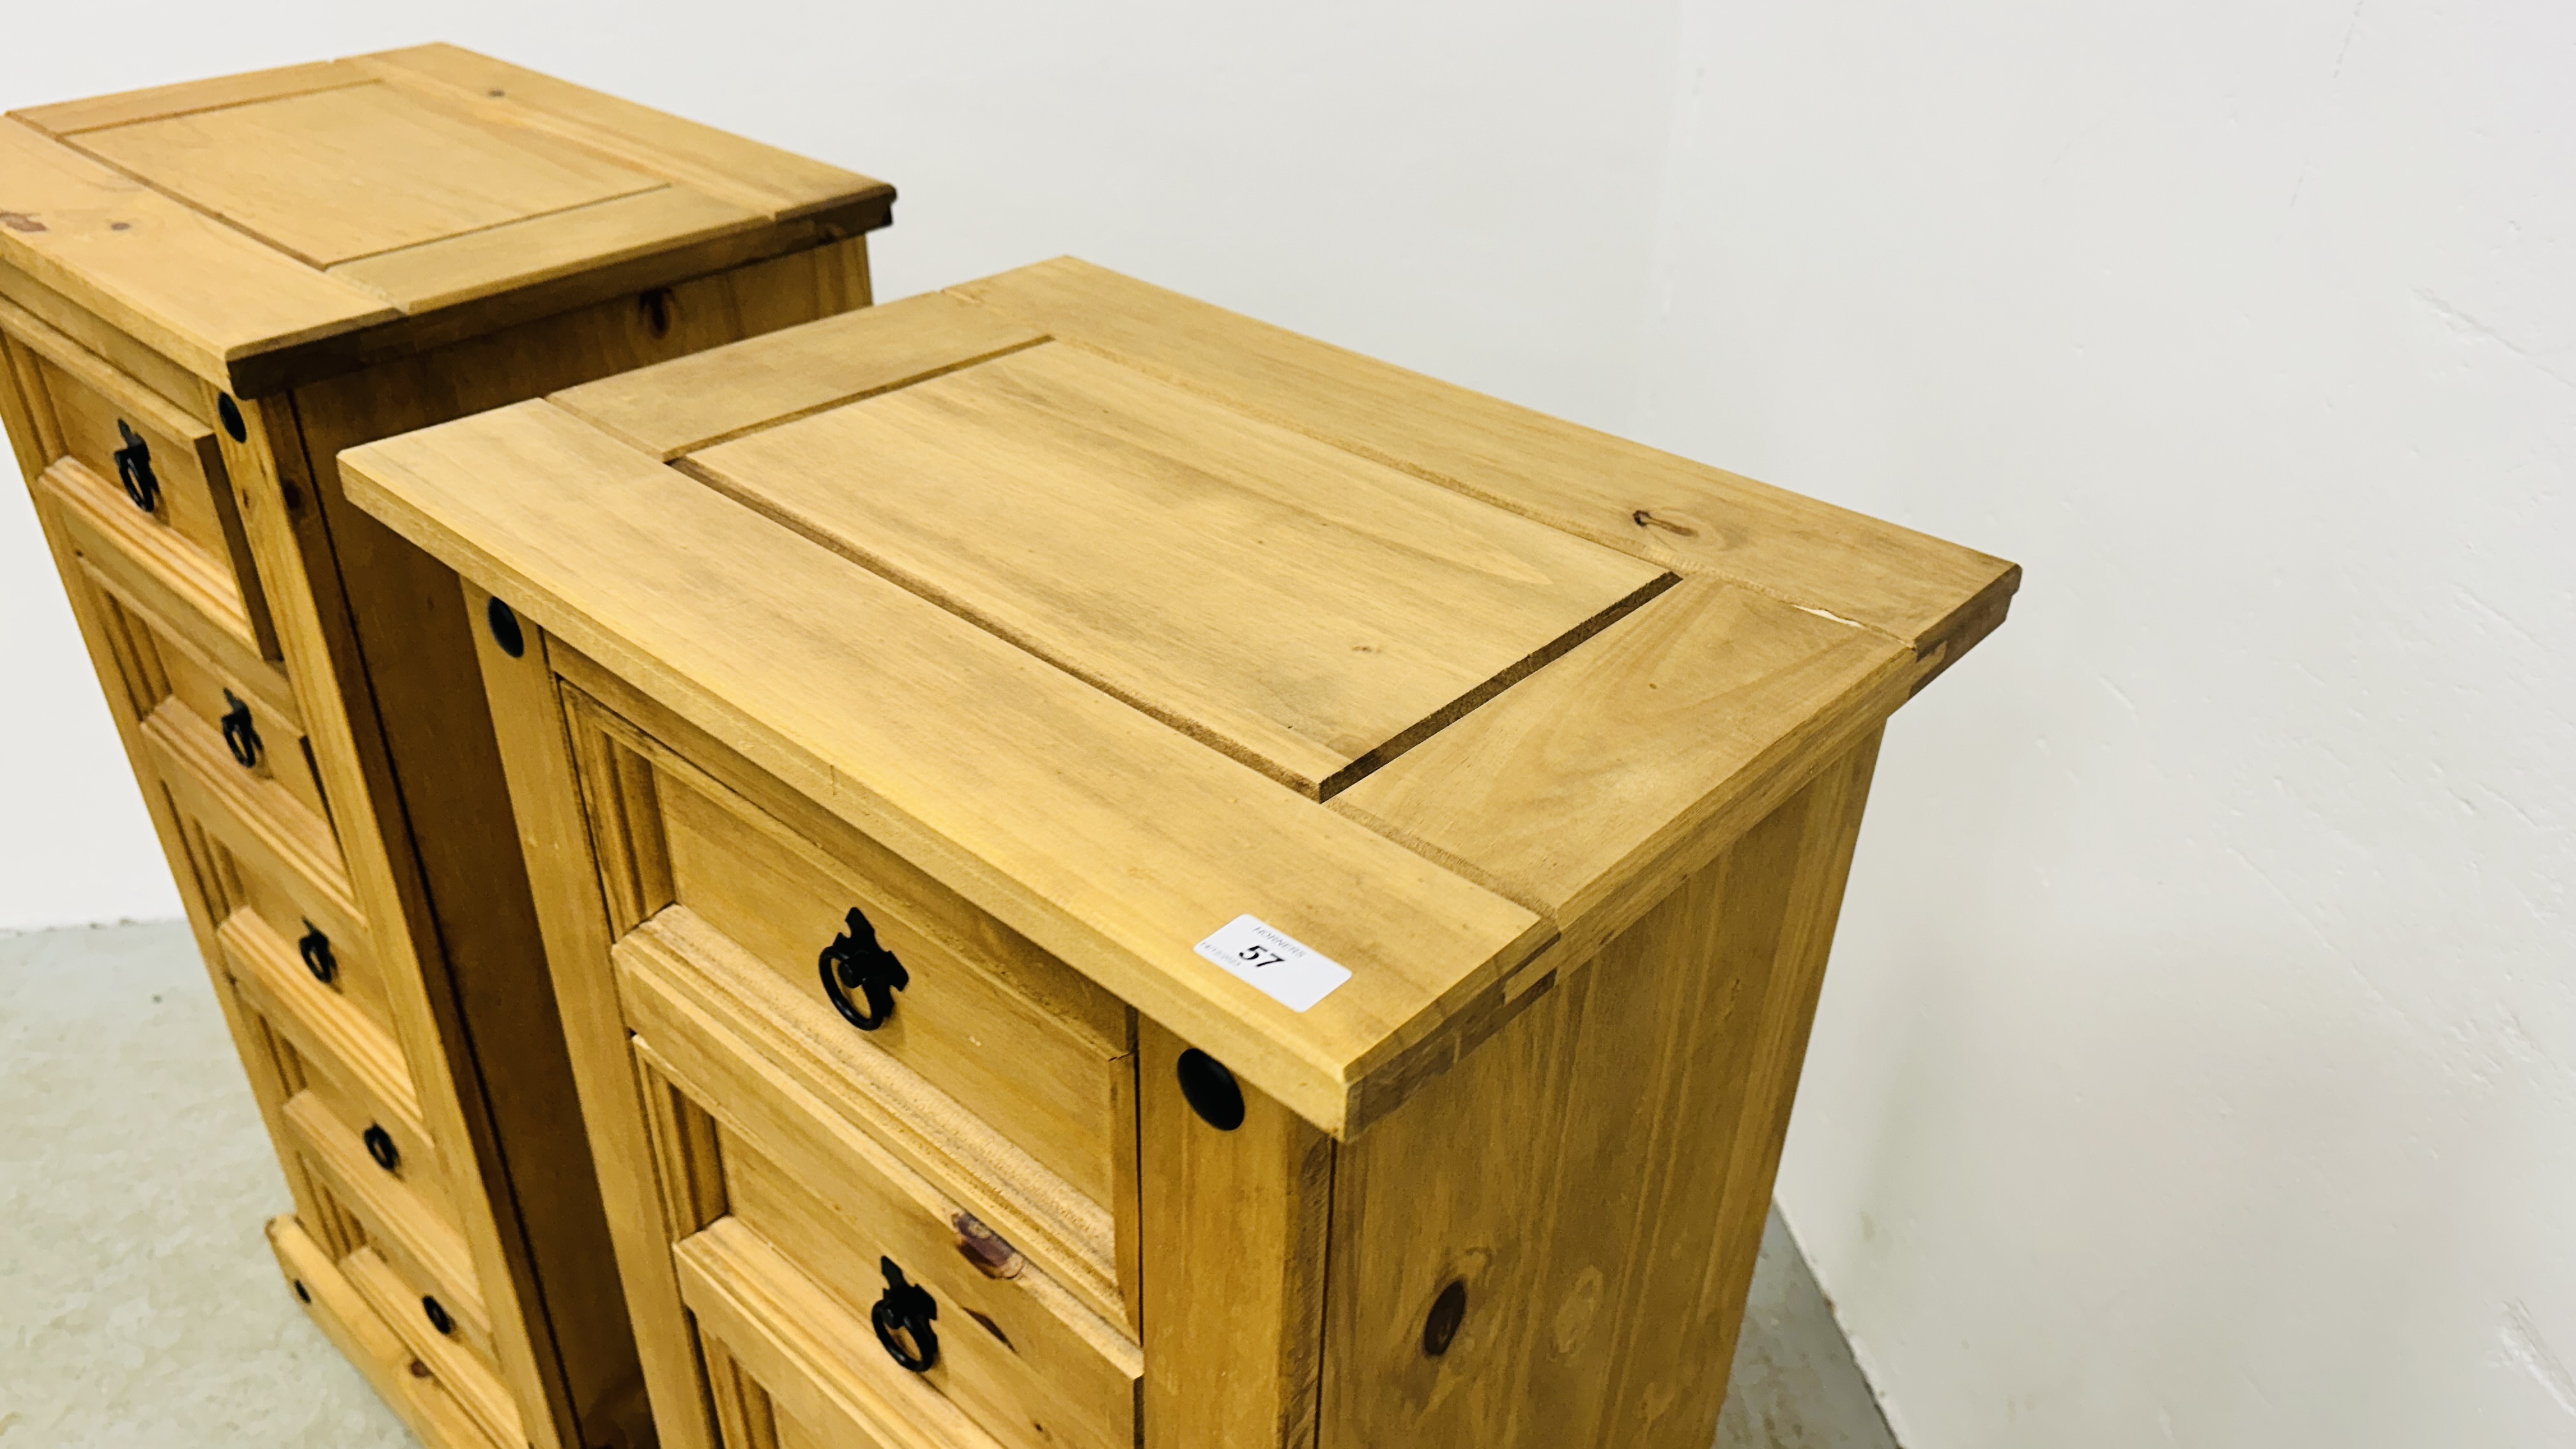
329	176
694	402
1676	513
65	118
256	818
175	279
1592	788
470	265
1235	1226
284	908
776	183
461	195
1304	610
399	1221
1641	1106
295	554
466	1377
363	1076
563	873
352	1324
27	299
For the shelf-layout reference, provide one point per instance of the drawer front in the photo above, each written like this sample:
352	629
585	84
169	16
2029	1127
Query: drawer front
153	475
895	964
842	1277
399	1301
247	714
335	1051
330	955
401	1224
778	1072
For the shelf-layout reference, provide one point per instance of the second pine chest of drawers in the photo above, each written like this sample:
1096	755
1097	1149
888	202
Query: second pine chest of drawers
206	291
1119	876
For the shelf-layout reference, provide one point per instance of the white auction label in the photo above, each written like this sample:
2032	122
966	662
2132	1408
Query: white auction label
1286	969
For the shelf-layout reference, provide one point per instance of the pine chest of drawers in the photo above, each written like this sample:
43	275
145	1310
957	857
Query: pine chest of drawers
1120	876
207	291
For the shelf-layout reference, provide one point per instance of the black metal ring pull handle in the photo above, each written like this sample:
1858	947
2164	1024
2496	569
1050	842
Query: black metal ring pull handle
380	1146
855	962
134	468
436	1312
315	948
902	1318
240	735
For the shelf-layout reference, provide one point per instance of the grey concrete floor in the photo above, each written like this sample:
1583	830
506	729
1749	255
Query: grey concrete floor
139	1305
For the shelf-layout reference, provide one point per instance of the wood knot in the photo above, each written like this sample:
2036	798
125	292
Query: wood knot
20	221
989	1251
1670	523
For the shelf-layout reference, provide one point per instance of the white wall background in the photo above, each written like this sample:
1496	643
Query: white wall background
2199	1063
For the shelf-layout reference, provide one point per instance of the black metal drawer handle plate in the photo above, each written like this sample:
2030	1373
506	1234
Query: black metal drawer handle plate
134	468
904	1311
240	735
855	962
315	948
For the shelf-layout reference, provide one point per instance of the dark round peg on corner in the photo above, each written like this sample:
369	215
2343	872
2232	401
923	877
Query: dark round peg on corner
302	1293
380	1146
436	1312
1440	1328
855	962
1211	1090
240	735
504	623
315	948
902	1317
229	413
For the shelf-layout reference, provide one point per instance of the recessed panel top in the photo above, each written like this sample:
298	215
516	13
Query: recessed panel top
265	229
1036	580
334	175
1305	609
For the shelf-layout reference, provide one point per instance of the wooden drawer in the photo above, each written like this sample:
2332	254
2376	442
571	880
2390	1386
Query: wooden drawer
463	1368
794	1225
242	711
332	1292
415	1239
254	898
337	1052
151	475
1037	1053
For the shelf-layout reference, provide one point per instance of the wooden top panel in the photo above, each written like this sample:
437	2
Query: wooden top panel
1685	516
266	228
333	175
1106	837
1039	594
1305	610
